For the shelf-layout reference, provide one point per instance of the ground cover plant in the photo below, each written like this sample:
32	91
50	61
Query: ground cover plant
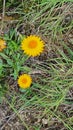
45	66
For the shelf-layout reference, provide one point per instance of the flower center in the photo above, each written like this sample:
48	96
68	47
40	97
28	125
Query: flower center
24	81
32	44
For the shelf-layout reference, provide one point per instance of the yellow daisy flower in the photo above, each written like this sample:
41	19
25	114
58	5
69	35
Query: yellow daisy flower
24	81
32	45
2	44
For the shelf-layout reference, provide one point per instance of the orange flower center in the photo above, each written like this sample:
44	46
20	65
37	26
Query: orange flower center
0	46
24	81
32	44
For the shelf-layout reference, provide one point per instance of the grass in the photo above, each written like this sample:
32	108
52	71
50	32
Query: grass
48	102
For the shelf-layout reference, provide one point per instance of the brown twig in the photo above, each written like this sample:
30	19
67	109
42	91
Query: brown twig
3	14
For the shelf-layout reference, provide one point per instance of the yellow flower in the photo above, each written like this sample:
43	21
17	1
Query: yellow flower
32	45
2	44
24	81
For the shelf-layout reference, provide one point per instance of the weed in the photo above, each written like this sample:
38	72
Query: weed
48	102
